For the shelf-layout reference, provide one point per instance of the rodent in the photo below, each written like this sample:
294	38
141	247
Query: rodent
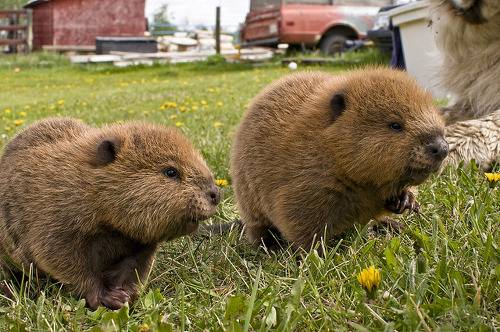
467	34
89	206
317	153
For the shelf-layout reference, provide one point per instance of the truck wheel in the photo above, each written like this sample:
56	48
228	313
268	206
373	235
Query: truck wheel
333	44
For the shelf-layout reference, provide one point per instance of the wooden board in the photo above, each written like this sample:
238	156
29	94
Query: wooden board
13	27
12	41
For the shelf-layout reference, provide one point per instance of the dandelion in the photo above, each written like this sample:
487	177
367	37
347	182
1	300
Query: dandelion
7	111
23	114
194	108
18	122
221	182
144	328
220	103
217	124
370	280
211	90
492	177
7	129
183	108
179	124
173	117
204	102
168	104
60	102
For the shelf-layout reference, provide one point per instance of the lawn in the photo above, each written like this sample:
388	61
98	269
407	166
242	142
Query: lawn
441	273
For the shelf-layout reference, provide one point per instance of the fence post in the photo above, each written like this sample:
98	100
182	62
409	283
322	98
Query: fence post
217	29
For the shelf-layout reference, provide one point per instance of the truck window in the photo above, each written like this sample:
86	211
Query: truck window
310	2
264	4
375	3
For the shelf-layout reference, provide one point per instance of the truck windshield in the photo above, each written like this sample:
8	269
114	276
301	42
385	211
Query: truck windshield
264	4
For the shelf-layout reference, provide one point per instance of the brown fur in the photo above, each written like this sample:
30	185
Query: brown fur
467	32
299	166
89	206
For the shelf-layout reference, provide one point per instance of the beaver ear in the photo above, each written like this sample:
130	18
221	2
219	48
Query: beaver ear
337	105
107	150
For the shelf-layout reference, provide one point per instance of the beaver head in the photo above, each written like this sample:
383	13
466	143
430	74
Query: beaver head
151	183
384	129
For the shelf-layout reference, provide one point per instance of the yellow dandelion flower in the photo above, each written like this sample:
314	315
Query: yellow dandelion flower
7	111
194	108
179	124
204	102
217	124
173	117
23	114
492	177
211	90
27	107
221	182
220	103
18	122
60	102
183	108
7	129
369	279
144	328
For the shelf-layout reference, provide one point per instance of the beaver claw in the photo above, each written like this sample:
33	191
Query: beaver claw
111	298
405	201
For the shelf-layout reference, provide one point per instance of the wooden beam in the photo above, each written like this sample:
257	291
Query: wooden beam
13	27
13	41
7	13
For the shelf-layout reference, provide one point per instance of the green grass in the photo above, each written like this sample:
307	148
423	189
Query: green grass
441	273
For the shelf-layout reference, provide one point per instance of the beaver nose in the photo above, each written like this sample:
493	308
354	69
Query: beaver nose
214	195
438	148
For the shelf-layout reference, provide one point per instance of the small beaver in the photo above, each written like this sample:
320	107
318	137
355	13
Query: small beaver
317	153
89	206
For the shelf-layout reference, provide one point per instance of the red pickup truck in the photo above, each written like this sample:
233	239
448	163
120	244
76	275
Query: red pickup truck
326	24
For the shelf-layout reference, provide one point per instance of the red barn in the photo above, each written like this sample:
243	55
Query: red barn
79	22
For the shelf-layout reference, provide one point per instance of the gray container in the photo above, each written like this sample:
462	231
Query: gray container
105	45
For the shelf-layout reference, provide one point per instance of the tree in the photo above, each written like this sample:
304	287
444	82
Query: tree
12	4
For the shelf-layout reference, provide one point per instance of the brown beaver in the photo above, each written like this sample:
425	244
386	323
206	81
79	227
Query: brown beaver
317	153
89	206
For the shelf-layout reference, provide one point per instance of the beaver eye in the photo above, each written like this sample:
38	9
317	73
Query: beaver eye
396	126
171	172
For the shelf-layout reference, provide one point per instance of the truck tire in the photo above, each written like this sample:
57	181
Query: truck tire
333	44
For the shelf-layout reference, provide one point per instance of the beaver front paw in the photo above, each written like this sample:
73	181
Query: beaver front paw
405	201
111	298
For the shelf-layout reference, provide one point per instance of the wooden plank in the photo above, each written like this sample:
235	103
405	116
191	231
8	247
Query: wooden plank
13	27
69	48
12	41
7	13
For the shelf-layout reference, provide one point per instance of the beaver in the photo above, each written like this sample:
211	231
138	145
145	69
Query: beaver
467	34
88	207
316	153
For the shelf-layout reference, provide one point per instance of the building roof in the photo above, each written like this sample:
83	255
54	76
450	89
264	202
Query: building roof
34	3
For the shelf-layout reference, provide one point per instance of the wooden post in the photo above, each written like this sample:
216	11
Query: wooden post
217	29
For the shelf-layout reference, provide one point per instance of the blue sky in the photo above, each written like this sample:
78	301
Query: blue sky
202	11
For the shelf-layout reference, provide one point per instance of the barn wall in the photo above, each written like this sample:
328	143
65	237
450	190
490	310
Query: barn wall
79	22
43	32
